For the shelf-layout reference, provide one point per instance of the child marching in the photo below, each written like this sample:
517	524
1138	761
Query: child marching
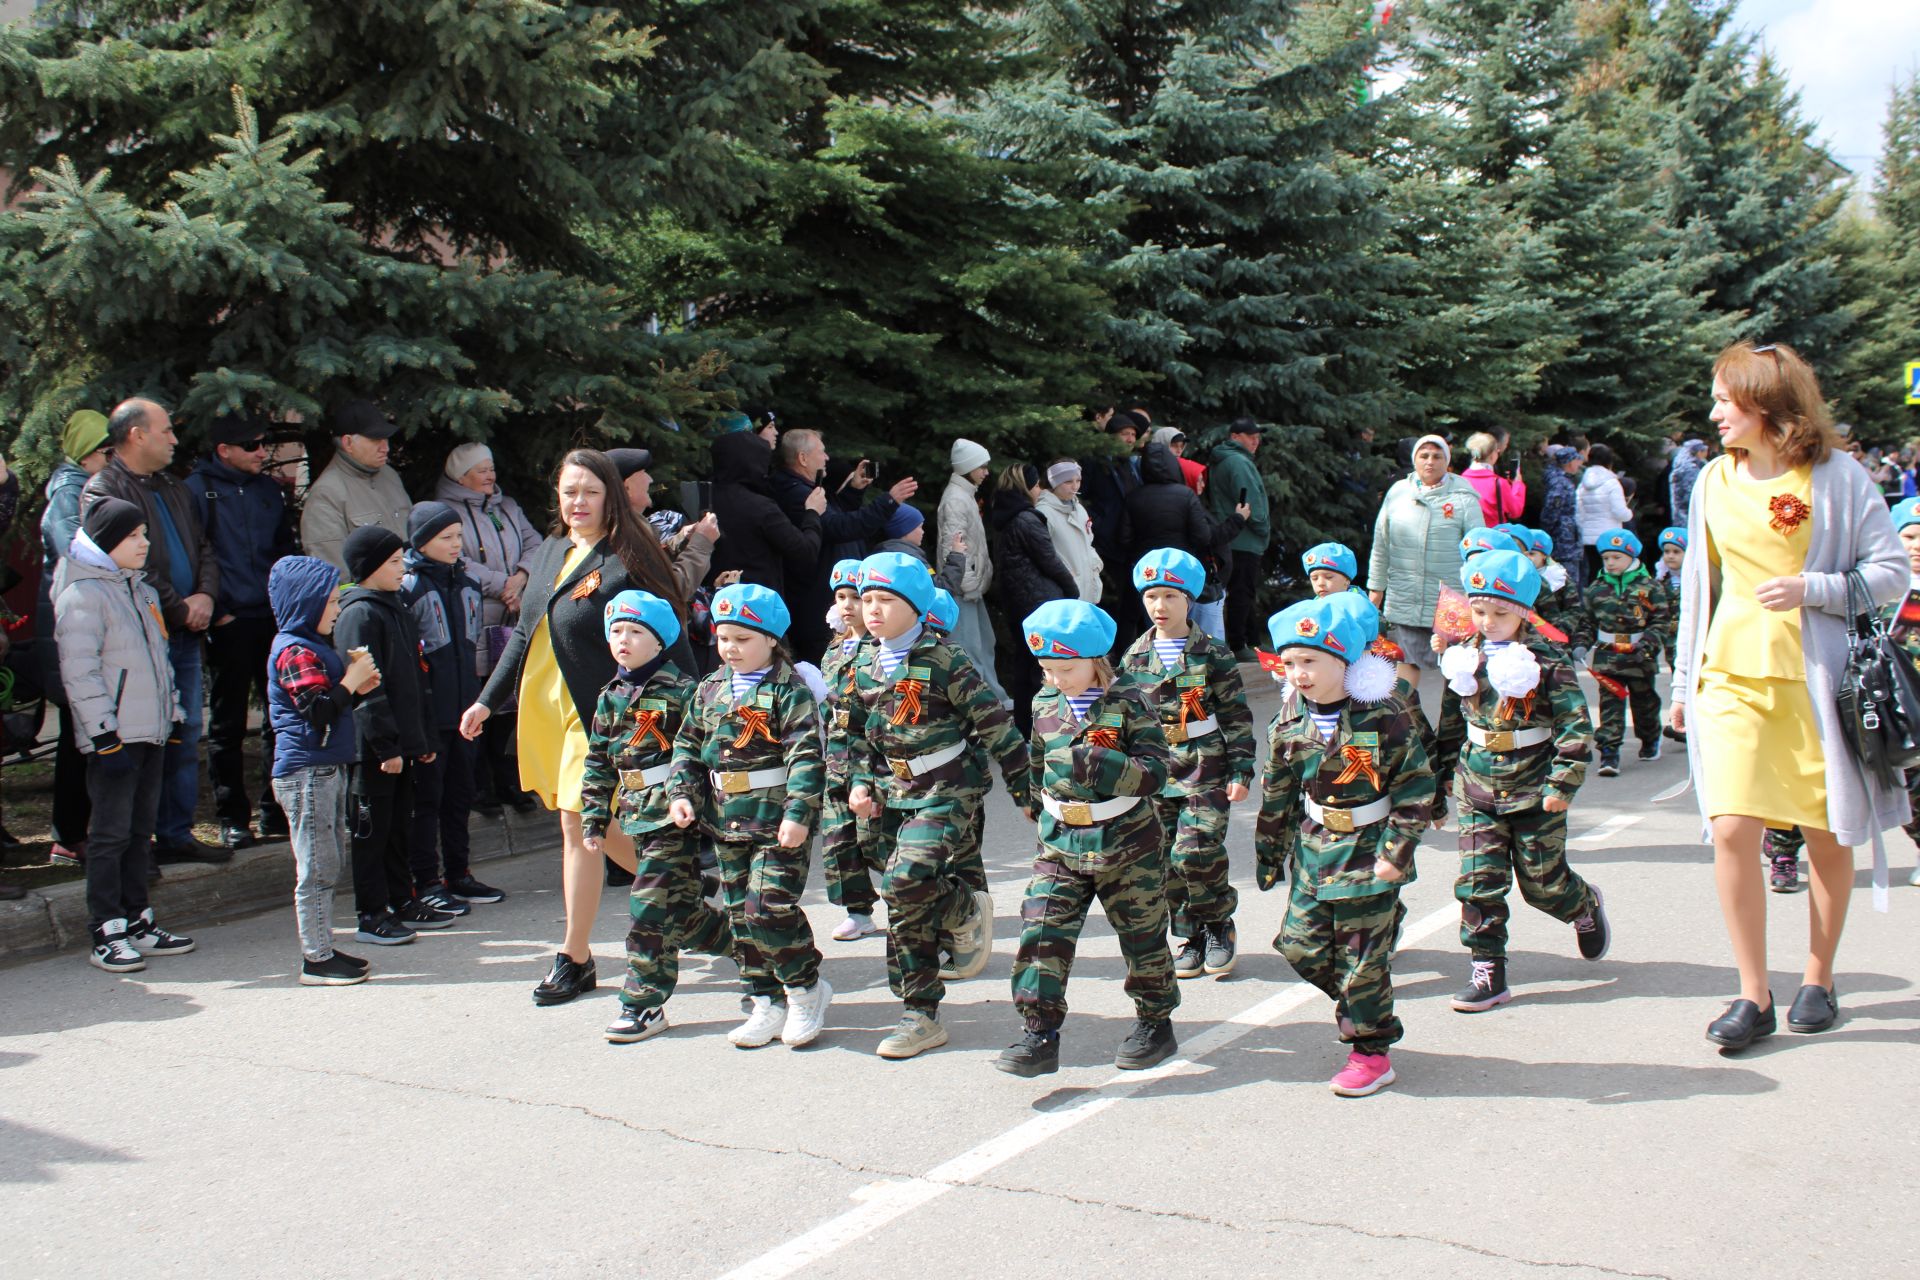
630	751
747	763
1557	605
1346	794
846	840
1195	685
1099	764
1520	736
1626	616
1673	553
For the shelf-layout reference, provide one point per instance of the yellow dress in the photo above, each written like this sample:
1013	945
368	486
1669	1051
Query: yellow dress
1763	757
551	741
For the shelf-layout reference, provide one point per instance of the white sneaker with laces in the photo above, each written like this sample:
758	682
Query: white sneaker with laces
806	1013
112	951
761	1026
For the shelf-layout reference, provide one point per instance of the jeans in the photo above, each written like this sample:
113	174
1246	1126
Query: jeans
442	799
72	807
1242	586
1211	617
236	670
380	809
315	802
126	795
181	789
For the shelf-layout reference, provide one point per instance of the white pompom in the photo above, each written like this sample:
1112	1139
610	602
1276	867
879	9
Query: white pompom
1554	574
815	681
1370	679
1513	671
836	618
1459	664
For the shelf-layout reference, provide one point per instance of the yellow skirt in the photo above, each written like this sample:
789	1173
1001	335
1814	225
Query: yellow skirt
1761	755
551	741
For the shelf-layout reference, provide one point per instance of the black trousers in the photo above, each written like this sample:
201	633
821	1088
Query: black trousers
72	803
1243	583
1020	677
379	812
496	771
236	672
126	803
442	799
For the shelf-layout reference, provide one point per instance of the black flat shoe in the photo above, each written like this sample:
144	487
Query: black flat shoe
566	981
1814	1009
1742	1024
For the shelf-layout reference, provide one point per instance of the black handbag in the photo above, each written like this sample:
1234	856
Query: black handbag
1878	693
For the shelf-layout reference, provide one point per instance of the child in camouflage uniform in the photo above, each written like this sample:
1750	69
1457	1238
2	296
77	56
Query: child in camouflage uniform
1346	795
630	752
918	703
1520	735
1330	567
1099	763
1626	617
1673	552
846	840
1557	605
747	763
1195	684
969	865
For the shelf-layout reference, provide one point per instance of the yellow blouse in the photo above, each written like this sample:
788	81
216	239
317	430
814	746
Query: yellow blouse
1756	530
552	743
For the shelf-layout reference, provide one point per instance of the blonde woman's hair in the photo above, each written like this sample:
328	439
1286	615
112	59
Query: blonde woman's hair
1773	381
1481	445
1103	673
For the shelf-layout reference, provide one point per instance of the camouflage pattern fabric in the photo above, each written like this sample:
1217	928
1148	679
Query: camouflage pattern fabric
634	727
933	701
1199	891
1624	605
1344	946
668	916
848	847
925	897
761	884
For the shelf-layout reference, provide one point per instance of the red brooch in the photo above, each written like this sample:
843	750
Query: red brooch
1789	513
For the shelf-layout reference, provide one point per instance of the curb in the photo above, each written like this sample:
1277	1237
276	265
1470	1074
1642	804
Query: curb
194	894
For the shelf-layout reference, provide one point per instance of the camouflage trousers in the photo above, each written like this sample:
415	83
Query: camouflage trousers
761	884
669	916
1198	889
968	863
1642	694
850	852
925	896
1134	896
1495	850
1345	948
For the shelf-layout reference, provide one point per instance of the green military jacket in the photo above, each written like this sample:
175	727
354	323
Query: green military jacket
1510	781
1632	602
836	669
1903	621
934	701
634	726
776	726
1382	737
1562	610
1119	750
1669	589
1207	684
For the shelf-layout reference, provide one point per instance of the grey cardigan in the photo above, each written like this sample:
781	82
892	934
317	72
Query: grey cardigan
1852	529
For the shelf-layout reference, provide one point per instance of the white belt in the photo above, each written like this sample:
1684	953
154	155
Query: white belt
1193	729
1346	821
906	770
633	779
1609	637
734	784
1077	813
1507	739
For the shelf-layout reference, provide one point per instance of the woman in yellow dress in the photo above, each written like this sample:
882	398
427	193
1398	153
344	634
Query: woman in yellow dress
558	661
1774	528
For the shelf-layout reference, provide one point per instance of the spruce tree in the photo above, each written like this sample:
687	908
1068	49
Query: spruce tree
1881	266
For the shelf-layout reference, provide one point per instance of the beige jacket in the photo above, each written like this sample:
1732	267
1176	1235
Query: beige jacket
346	496
960	513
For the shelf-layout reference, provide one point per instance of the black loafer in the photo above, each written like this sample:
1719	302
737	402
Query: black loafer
1814	1009
1742	1024
567	980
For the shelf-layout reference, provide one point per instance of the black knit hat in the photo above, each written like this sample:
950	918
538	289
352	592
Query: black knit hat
108	522
367	548
426	521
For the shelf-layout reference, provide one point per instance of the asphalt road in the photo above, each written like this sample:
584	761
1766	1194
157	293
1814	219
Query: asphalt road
212	1117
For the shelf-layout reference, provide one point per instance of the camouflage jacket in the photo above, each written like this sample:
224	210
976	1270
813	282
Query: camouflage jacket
1206	685
633	730
935	700
837	668
1634	603
1563	610
1669	591
776	727
1377	750
1903	621
1510	781
1119	750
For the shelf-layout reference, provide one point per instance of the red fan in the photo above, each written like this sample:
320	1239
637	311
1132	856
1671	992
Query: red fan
1452	618
1269	661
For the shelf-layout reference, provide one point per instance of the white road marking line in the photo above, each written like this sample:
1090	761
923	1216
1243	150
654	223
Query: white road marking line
1607	830
880	1203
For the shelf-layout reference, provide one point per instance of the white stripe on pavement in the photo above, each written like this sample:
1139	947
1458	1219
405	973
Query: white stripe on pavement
883	1202
1607	830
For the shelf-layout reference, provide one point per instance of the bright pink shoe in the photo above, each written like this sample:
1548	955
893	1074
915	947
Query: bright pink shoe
1364	1073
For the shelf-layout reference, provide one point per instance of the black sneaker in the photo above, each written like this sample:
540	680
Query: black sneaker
634	1025
467	889
1785	876
1222	948
1037	1054
1148	1044
355	961
524	802
191	850
439	899
149	939
236	836
1650	750
1609	762
111	950
1488	988
488	808
383	930
418	915
565	981
1192	960
334	971
1593	929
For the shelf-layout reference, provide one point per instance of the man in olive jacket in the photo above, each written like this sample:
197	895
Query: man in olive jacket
1235	478
357	488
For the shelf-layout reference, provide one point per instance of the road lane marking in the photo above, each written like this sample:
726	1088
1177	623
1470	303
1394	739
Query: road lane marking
880	1203
1607	830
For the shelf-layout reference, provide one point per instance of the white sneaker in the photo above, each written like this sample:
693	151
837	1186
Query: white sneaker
761	1026
855	927
916	1034
806	1013
113	951
973	944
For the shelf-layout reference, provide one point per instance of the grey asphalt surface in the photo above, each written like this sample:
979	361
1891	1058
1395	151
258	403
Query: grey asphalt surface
212	1117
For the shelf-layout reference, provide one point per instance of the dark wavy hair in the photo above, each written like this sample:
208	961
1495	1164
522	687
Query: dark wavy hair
628	536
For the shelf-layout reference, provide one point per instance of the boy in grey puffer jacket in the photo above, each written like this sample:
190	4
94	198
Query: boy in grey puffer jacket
119	685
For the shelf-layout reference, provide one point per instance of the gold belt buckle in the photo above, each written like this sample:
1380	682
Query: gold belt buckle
734	784
1339	821
1076	814
902	769
842	718
1623	646
1176	733
631	779
1500	740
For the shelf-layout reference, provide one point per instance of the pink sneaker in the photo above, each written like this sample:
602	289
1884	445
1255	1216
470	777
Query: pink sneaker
1364	1073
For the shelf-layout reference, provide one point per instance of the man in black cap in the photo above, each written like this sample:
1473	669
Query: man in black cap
358	488
244	511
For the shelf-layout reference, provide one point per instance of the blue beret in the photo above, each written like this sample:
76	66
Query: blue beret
1168	567
1622	540
748	604
1069	629
650	611
906	576
846	573
944	612
1334	556
1540	540
1504	575
1328	623
1674	535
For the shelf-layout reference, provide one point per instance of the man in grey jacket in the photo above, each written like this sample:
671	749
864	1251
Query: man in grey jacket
357	488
